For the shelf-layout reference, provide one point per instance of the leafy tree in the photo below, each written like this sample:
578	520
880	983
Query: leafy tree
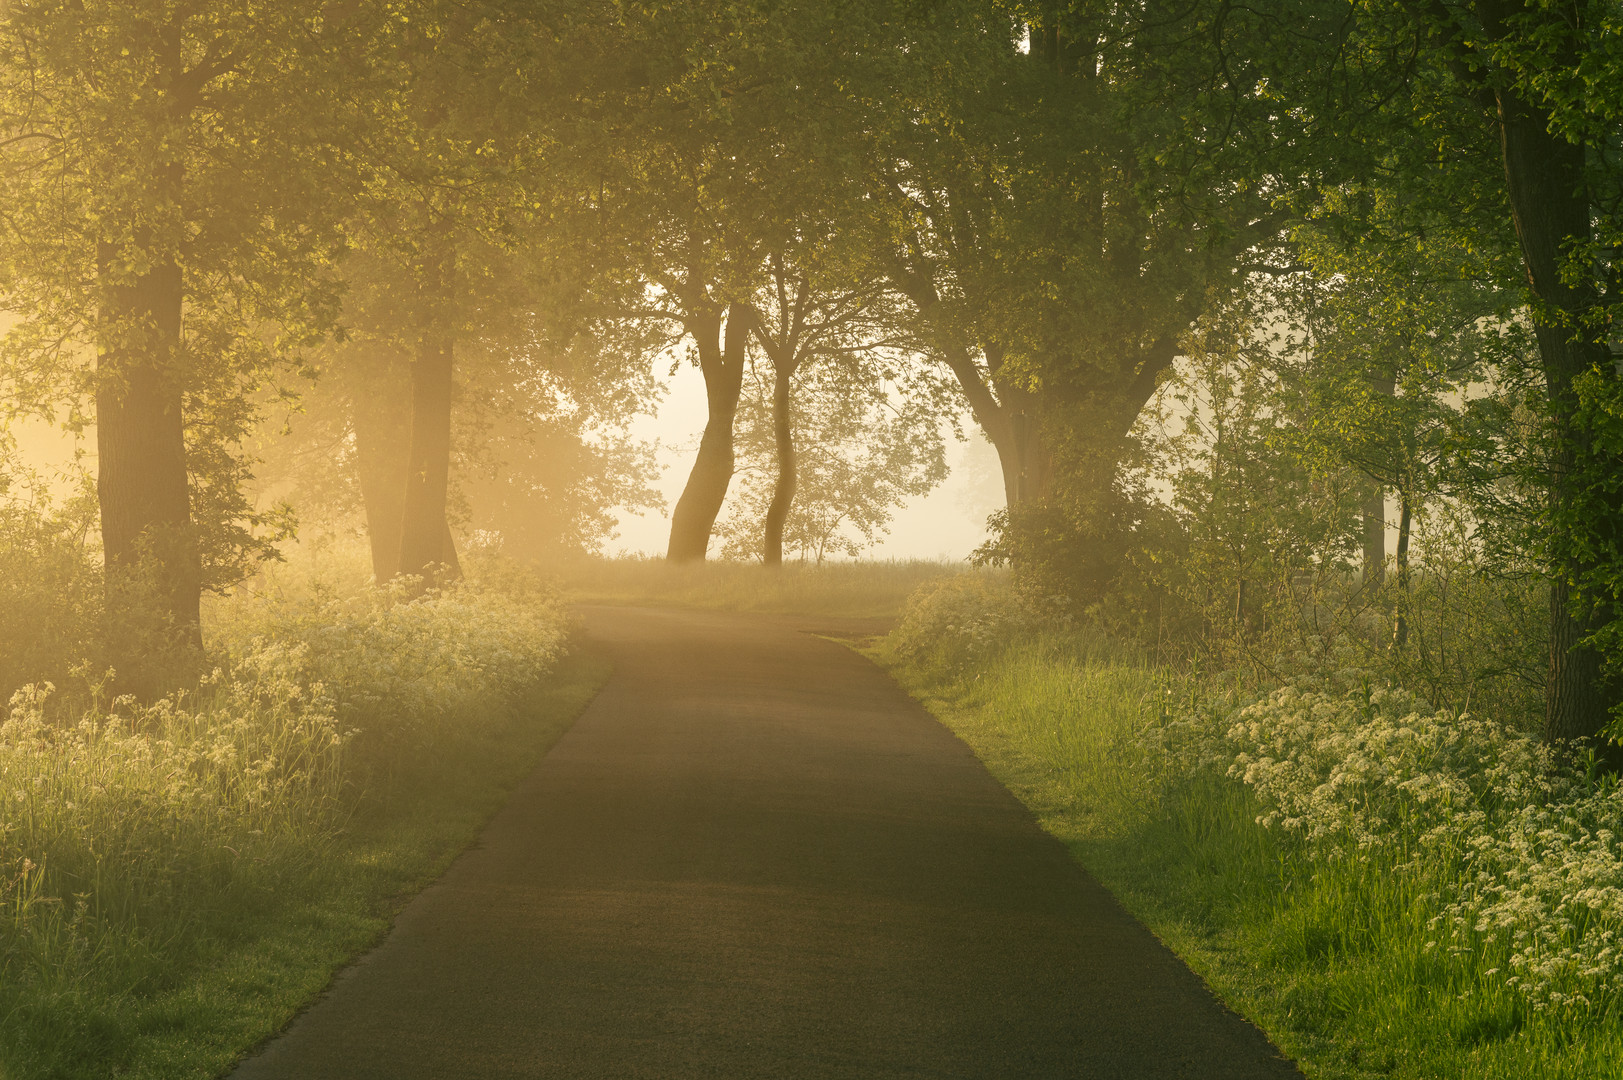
1251	519
169	179
1400	331
538	451
1063	204
741	137
949	187
443	186
868	442
815	309
1516	106
677	198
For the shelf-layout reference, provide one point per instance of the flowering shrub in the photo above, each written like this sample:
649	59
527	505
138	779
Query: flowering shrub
1518	847
1374	767
1544	888
397	666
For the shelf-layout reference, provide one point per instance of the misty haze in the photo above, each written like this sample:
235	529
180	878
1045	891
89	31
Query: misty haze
811	539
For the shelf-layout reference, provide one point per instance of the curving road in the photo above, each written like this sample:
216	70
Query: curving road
754	857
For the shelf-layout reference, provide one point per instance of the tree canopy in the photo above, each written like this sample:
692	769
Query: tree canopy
1233	292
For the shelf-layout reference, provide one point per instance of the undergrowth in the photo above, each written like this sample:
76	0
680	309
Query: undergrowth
1387	887
177	877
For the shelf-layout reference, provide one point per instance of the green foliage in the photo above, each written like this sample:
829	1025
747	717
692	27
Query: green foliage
50	582
1249	517
1065	555
1363	312
1234	540
1392	327
960	620
198	138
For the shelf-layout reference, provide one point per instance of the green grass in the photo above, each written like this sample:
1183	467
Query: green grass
876	590
201	870
1330	959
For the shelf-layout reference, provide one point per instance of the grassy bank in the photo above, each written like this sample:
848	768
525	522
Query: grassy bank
868	590
1386	890
180	878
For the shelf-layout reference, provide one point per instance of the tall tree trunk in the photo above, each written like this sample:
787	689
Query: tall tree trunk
723	367
1374	509
1373	528
381	408
153	565
1009	423
426	548
783	492
1025	461
1400	621
1544	175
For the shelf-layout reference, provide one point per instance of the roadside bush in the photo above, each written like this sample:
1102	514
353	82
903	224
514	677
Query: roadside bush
405	669
1514	849
960	620
132	835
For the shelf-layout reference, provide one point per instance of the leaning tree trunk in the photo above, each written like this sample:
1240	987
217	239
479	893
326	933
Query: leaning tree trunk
153	565
783	492
381	410
1544	175
723	367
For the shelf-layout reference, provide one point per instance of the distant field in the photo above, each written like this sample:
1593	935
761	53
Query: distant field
876	590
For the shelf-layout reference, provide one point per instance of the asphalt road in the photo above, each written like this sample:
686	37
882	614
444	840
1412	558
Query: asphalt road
754	857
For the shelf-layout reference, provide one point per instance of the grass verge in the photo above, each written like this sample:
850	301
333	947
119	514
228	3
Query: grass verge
1335	959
